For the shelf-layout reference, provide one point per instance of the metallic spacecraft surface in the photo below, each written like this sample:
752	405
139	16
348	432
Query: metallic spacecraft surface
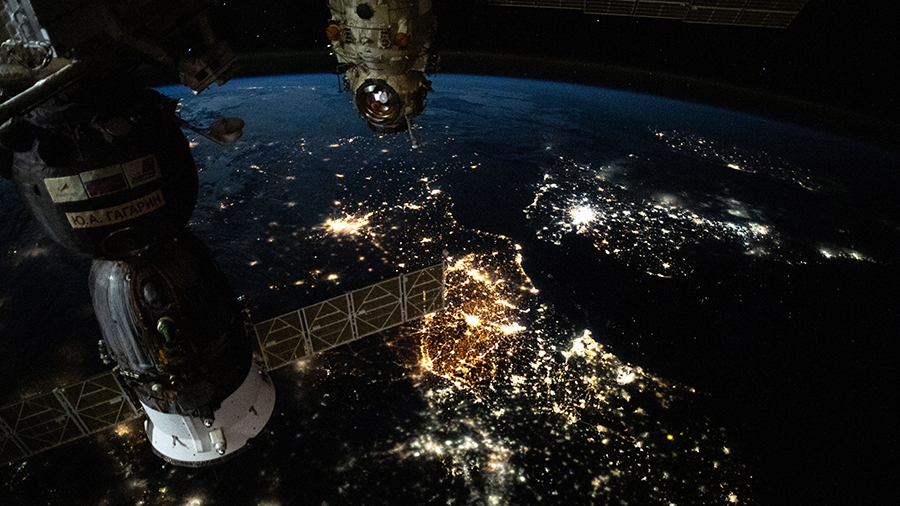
174	327
108	173
385	49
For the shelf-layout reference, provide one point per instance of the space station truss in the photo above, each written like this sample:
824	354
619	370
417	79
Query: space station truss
760	13
351	316
48	420
45	421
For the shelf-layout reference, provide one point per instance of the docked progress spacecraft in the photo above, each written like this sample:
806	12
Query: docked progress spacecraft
385	48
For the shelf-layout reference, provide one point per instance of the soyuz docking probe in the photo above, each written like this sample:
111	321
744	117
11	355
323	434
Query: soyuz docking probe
105	168
385	49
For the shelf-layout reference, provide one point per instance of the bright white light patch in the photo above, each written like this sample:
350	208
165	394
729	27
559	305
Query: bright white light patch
582	215
348	225
625	376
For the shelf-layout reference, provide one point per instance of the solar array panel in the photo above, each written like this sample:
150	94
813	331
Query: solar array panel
48	420
760	13
351	316
547	4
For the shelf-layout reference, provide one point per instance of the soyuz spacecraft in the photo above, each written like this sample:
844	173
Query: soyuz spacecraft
384	47
105	168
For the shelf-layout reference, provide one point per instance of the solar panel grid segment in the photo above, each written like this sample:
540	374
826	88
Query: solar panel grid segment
712	15
424	291
733	4
759	13
548	4
40	423
282	339
768	18
11	448
49	420
329	323
777	5
610	8
660	9
101	402
351	316
377	307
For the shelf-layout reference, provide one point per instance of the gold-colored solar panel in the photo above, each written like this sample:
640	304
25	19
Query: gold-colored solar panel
668	10
282	339
377	307
48	420
733	4
351	316
100	402
611	8
424	291
329	323
712	16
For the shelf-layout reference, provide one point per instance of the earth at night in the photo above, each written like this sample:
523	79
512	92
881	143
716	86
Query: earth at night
649	302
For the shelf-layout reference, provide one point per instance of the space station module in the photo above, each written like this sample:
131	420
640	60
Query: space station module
386	49
178	335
